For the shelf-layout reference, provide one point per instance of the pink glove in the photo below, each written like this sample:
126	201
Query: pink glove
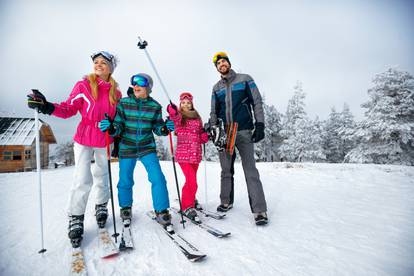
172	109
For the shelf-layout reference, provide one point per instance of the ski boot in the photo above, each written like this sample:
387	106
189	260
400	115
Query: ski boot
75	230
224	207
164	218
260	218
101	214
126	216
197	205
191	214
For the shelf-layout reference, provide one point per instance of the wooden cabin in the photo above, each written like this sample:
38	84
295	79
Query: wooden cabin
18	144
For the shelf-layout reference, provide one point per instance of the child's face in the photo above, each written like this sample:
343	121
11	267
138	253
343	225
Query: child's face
186	105
140	92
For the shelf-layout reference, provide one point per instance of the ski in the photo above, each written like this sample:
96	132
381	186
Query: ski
78	265
211	214
188	249
210	229
126	242
107	246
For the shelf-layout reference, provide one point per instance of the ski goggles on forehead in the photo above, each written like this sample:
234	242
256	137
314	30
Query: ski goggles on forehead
109	57
187	96
139	80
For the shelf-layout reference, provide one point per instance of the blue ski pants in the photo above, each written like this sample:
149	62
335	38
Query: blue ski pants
159	192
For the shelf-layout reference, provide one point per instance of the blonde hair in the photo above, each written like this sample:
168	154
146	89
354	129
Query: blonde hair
94	86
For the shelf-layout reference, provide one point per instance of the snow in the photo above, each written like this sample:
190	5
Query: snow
325	219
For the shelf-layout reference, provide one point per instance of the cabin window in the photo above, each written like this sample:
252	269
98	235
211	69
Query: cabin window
7	155
27	154
17	155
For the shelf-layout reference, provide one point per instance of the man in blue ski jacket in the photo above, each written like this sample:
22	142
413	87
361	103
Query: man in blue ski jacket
236	99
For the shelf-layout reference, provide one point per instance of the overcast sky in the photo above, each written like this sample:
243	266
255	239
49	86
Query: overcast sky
333	47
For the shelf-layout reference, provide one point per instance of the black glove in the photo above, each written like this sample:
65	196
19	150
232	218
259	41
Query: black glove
115	150
258	133
38	101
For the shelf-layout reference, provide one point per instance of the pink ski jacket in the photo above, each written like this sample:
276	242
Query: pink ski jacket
189	139
91	110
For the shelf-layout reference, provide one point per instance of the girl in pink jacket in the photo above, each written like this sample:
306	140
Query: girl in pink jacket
190	135
94	96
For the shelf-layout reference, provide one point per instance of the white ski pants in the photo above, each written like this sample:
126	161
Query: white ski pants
88	174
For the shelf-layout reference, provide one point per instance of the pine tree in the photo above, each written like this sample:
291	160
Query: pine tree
345	131
387	133
332	140
162	151
314	151
266	150
302	136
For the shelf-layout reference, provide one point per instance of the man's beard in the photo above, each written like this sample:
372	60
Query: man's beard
225	72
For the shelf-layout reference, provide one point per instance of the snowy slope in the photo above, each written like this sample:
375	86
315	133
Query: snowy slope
325	219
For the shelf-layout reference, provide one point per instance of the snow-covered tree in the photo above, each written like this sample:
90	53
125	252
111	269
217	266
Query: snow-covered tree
346	129
301	141
266	150
163	152
64	153
386	135
332	140
314	150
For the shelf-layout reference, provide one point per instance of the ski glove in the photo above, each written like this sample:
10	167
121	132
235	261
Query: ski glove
258	133
38	101
168	126
107	125
172	109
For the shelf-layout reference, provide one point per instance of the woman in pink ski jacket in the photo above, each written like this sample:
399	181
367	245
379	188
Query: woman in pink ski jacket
94	96
190	136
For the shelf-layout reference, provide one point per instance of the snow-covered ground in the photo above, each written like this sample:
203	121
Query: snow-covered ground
325	219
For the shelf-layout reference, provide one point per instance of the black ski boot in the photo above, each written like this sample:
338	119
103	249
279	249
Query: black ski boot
261	218
126	216
101	214
191	214
164	218
75	230
224	207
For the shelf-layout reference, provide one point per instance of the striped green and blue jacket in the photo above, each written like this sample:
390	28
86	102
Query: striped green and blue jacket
135	122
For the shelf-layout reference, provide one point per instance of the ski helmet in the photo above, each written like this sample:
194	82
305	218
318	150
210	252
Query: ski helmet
220	55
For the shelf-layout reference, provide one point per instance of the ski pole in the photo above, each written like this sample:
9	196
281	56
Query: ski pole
142	44
205	175
176	179
108	154
39	178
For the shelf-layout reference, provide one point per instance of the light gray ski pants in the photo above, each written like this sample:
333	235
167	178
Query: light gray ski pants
245	147
86	175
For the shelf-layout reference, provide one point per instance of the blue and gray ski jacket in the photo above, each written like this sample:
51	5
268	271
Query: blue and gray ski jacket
236	98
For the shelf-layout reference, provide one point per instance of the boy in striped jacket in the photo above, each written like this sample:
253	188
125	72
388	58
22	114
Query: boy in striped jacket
138	116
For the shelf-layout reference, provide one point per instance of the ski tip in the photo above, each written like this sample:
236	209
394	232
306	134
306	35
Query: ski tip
111	255
197	258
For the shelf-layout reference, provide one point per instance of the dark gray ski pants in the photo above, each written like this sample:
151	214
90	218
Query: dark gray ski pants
245	147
